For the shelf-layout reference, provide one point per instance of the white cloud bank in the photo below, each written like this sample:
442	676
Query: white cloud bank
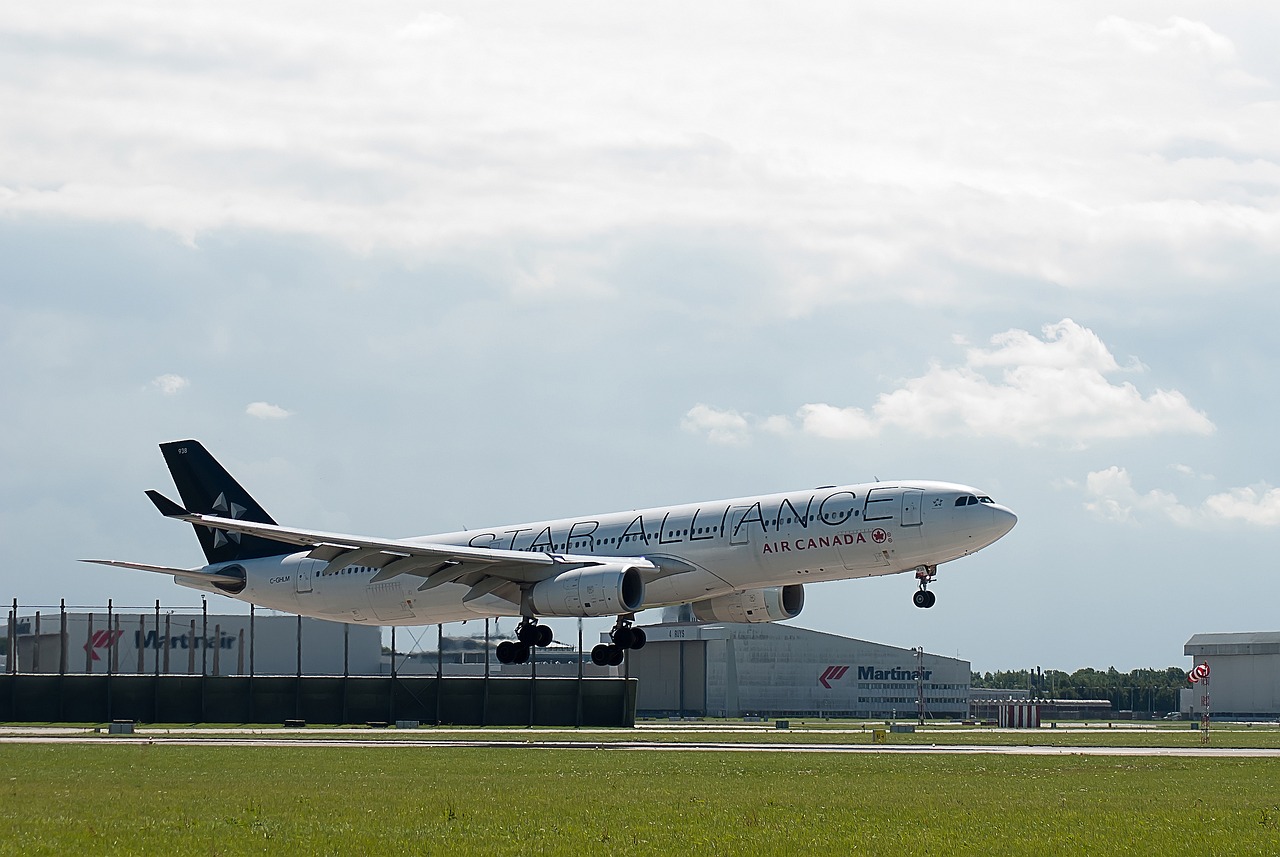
869	141
1022	388
1113	496
266	411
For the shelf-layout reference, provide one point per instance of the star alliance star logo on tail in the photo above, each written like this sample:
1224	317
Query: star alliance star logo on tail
226	509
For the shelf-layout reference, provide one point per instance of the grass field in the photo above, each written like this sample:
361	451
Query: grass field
224	800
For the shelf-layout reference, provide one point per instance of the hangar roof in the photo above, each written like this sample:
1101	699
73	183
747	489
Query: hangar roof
1246	643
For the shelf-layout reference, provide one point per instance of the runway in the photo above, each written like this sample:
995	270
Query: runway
274	739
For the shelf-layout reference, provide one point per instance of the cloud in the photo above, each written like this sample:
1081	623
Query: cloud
1112	496
266	411
1022	388
1260	506
866	145
170	385
723	427
1189	38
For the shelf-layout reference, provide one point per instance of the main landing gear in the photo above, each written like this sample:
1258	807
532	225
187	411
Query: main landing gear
923	597
528	634
625	636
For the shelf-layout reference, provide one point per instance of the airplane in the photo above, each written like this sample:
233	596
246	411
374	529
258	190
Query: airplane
739	560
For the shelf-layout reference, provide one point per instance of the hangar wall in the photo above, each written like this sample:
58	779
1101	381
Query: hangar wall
170	644
731	670
1244	676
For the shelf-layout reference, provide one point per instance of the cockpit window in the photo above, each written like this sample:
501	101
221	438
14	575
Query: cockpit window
967	499
986	500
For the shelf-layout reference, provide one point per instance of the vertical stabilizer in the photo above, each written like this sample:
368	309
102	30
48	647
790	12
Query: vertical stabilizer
206	487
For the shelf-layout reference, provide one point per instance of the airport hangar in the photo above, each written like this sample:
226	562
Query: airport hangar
1244	676
726	669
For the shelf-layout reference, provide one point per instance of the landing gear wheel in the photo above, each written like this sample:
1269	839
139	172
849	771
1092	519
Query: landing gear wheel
601	655
637	638
520	653
623	637
616	654
923	597
531	633
506	653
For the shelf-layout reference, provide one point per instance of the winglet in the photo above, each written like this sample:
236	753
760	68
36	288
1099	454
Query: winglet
167	507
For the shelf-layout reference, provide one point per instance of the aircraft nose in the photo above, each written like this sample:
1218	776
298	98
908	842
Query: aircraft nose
1004	520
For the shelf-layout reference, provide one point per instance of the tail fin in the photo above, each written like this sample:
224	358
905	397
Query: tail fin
206	487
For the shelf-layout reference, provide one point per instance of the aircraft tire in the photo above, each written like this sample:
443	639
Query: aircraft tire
622	636
521	653
638	638
527	633
505	653
921	598
600	655
616	654
929	602
545	636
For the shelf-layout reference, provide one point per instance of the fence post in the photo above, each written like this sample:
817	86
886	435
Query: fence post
578	718
346	666
484	701
253	613
12	639
62	626
439	667
297	679
110	643
391	700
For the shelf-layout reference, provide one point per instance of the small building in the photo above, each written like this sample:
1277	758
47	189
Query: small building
771	670
1244	676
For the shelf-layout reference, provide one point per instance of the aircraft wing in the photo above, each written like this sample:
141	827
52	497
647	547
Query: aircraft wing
438	563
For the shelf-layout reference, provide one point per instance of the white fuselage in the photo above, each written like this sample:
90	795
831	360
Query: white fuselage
703	550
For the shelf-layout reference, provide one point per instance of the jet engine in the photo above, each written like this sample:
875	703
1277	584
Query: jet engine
596	590
772	604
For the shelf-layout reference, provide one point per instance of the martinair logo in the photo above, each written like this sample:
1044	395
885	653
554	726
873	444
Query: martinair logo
101	640
830	674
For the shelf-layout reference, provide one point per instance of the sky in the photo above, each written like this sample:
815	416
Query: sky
415	267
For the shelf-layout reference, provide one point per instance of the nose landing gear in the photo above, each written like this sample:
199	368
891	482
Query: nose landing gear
625	636
923	597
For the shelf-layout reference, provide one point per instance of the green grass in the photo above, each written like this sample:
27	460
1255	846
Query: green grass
223	800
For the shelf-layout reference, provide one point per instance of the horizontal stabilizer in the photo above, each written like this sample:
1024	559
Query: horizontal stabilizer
167	507
186	573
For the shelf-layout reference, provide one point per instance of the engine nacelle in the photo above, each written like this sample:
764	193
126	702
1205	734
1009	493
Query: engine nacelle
772	604
596	590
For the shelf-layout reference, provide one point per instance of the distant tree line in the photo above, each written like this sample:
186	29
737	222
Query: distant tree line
1154	690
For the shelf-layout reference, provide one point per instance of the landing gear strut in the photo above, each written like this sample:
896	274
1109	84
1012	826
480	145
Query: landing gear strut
625	636
923	597
528	634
